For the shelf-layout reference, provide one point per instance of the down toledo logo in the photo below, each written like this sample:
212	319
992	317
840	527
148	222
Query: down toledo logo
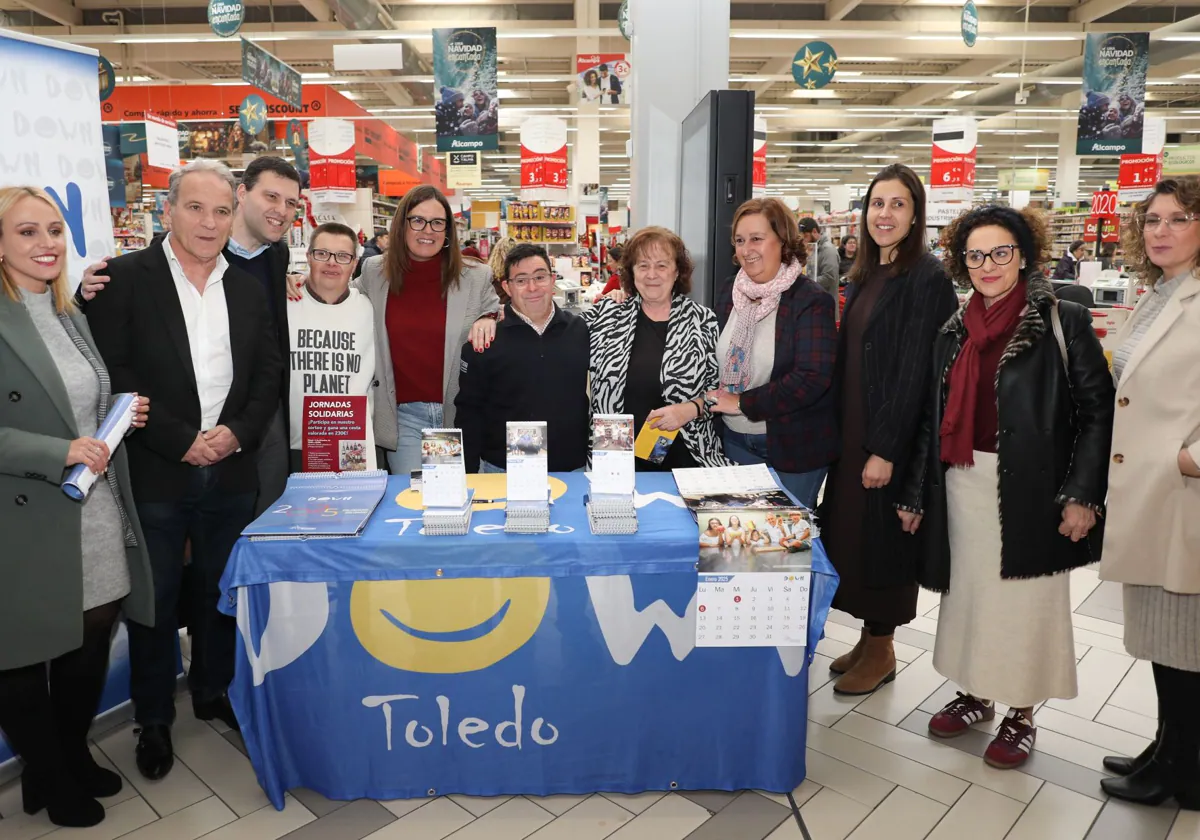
447	626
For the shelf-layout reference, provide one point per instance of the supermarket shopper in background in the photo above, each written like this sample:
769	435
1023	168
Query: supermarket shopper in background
613	267
535	369
374	246
823	264
268	199
1008	479
1068	266
846	253
776	353
653	350
179	323
469	250
428	302
899	296
329	307
69	569
1152	543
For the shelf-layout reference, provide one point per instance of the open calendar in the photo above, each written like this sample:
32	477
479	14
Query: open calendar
756	609
754	577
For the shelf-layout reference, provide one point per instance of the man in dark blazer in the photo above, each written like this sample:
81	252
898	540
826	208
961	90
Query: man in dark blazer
178	324
268	199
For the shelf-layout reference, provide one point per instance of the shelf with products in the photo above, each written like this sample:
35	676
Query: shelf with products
534	211
542	233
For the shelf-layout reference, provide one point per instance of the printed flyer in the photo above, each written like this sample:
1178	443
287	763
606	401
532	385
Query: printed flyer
335	434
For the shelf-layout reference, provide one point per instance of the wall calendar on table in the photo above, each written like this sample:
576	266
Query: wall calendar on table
756	609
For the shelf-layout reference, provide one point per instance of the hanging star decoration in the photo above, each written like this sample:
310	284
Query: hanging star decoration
814	65
811	63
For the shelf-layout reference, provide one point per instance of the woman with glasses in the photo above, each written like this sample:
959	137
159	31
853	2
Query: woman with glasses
332	336
897	298
1007	479
1152	544
428	303
654	351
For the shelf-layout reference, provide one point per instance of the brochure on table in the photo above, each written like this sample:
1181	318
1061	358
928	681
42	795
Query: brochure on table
321	505
527	508
703	488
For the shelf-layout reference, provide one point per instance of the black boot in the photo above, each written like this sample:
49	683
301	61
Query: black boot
1173	771
1122	766
76	684
66	803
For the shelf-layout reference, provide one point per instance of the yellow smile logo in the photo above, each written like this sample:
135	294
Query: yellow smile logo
490	492
446	626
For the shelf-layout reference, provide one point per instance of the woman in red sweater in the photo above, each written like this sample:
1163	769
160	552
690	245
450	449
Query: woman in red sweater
428	302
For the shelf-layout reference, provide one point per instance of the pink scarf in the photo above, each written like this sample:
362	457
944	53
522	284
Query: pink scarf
752	302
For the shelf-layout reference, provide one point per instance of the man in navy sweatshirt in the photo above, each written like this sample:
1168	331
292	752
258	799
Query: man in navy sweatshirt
535	369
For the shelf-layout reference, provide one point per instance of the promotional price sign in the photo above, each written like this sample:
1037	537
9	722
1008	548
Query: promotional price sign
463	170
760	155
952	172
162	141
543	156
1138	175
603	78
331	161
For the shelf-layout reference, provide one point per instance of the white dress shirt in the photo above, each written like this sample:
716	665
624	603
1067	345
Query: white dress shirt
207	319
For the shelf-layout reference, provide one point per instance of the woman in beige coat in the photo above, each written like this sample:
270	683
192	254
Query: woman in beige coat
1152	542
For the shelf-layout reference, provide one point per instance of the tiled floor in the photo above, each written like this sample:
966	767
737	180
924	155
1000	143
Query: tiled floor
873	773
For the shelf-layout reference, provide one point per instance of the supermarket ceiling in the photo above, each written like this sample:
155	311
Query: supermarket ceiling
902	63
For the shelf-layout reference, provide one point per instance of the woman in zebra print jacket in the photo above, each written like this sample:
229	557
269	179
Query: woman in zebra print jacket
653	350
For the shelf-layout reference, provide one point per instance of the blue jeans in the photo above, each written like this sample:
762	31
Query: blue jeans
213	520
752	449
411	418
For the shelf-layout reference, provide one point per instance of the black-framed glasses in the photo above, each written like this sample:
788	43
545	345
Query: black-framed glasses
420	222
538	278
1177	222
340	257
1000	255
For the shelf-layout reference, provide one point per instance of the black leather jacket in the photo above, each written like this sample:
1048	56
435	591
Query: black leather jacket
1055	437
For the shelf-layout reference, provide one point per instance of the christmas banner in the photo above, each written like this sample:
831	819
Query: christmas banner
268	73
1111	115
603	78
331	161
952	172
466	104
544	157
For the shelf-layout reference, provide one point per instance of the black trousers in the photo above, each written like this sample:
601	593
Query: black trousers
46	710
213	520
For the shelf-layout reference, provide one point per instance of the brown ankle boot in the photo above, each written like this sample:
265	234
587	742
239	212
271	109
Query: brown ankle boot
847	661
876	667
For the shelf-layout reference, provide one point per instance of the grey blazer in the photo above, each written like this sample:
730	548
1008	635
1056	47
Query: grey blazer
472	299
41	585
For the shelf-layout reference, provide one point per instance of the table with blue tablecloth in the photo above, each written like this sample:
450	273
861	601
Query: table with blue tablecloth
398	665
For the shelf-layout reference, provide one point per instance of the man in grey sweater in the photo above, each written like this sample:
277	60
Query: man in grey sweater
822	256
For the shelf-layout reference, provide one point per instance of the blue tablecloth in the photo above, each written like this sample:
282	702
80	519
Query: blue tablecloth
397	665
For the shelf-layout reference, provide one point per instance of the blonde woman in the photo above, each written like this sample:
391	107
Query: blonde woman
1152	544
68	568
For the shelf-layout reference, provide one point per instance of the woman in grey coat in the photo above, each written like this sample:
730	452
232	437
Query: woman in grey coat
428	303
68	569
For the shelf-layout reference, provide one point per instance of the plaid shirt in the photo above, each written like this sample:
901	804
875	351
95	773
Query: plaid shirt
798	402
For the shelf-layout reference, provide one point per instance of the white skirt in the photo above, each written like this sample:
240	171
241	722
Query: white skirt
1005	640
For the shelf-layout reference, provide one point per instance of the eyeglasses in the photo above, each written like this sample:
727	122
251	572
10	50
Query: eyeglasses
540	278
341	257
419	223
1175	223
1000	255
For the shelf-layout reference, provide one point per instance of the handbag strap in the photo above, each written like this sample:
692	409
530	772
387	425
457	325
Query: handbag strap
1056	325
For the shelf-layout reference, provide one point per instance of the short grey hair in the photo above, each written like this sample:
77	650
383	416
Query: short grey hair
200	165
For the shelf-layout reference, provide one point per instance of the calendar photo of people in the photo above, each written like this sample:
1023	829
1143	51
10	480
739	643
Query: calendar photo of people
754	540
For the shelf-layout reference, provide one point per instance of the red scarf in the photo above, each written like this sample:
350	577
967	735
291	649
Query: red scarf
985	326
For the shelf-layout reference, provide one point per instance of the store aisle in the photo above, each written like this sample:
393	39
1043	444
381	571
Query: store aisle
873	772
